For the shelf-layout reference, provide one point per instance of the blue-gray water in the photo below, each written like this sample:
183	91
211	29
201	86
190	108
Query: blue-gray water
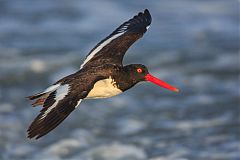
193	45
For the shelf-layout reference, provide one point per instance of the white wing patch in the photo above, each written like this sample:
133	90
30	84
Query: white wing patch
61	92
124	28
107	41
141	20
48	110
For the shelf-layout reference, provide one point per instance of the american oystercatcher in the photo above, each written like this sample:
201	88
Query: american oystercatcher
101	75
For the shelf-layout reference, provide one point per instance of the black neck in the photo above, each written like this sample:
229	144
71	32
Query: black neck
125	79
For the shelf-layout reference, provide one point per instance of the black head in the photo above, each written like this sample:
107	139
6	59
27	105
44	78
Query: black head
139	72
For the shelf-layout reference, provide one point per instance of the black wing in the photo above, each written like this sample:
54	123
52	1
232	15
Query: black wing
58	105
112	48
62	98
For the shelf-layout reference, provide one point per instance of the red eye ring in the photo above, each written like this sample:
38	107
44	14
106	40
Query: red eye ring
139	70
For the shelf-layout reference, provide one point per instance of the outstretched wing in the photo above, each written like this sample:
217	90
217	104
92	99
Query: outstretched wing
58	105
112	48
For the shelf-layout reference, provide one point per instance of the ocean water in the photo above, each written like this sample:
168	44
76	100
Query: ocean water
193	45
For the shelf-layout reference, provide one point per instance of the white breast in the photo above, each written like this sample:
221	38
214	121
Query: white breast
104	89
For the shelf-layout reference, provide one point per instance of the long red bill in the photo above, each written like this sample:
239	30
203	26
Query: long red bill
160	83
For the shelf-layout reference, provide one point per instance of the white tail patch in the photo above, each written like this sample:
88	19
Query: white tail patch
103	44
45	92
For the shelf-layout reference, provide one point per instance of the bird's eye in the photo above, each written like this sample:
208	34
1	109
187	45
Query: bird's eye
139	70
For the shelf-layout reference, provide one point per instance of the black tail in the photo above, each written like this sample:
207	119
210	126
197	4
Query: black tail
35	96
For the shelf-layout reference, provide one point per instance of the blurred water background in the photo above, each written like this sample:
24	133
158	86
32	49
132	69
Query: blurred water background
193	45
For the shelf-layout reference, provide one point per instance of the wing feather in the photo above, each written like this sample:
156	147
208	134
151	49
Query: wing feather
112	48
58	105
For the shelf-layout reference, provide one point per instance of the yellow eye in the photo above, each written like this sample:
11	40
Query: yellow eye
139	70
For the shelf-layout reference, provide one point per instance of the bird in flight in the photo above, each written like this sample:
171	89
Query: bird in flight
102	75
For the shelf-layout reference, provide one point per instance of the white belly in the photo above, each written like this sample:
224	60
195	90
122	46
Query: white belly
104	89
